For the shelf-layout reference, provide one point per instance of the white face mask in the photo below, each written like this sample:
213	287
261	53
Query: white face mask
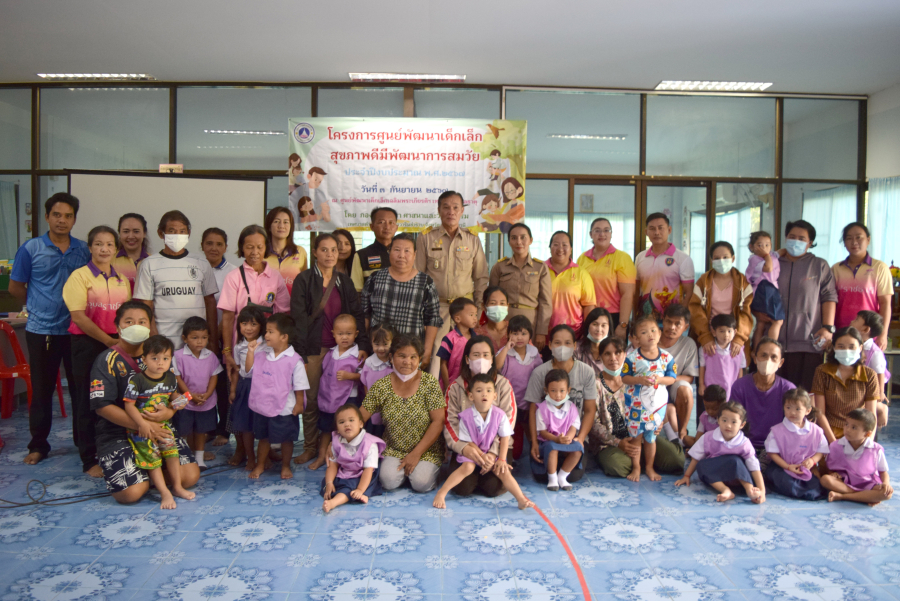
796	248
135	334
496	313
595	340
556	404
405	377
480	366
767	368
177	242
722	265
847	357
563	353
614	373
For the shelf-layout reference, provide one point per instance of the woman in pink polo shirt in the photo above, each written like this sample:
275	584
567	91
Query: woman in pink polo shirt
255	282
92	294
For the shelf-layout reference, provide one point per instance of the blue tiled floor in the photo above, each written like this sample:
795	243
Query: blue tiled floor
269	540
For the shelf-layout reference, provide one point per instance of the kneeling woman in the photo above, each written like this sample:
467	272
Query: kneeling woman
353	461
412	408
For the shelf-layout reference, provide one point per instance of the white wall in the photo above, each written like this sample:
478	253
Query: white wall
883	148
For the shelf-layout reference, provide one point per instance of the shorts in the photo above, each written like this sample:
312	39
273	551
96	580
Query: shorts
640	422
240	417
673	390
187	422
326	421
148	454
348	485
767	300
121	472
278	429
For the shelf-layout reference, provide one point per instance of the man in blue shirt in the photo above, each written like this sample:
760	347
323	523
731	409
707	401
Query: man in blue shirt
42	266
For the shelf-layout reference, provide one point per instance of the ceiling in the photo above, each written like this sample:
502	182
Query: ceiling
828	46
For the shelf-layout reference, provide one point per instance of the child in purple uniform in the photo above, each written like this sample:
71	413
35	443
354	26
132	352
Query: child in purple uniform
277	392
251	326
515	362
858	469
482	424
352	472
723	368
795	447
196	369
376	367
713	398
337	385
557	423
725	455
870	326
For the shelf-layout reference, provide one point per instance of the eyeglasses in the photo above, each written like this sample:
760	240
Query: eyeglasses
858	239
603	231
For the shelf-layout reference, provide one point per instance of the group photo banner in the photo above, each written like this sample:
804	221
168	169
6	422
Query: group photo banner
341	168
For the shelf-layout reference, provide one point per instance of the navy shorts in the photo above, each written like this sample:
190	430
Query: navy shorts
120	470
348	485
326	422
187	422
240	417
278	429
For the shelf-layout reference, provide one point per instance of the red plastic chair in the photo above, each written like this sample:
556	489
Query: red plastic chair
21	369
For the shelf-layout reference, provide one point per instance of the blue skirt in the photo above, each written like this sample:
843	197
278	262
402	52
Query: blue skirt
724	468
545	446
240	417
767	300
348	485
779	481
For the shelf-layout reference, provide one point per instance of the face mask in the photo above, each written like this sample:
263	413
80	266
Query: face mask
556	404
176	242
496	313
722	265
595	340
611	372
766	368
480	366
407	377
846	357
135	334
563	353
795	248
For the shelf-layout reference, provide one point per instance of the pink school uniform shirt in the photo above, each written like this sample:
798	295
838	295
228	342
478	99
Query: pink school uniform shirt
556	421
333	392
713	444
196	373
755	273
796	445
722	368
481	431
275	380
860	468
518	370
266	288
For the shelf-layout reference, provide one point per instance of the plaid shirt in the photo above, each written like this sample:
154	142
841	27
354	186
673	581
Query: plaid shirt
407	307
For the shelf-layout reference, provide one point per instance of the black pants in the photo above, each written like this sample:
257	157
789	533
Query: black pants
44	356
84	351
799	368
489	483
222	404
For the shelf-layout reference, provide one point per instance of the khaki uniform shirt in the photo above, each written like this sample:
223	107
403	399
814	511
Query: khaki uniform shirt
529	289
457	266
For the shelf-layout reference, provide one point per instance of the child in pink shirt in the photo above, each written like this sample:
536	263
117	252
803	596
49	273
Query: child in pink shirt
723	368
515	362
376	367
464	314
763	269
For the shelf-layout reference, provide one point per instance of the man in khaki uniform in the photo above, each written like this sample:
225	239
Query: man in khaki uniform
454	259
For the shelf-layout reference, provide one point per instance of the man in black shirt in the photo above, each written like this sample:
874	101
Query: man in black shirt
109	380
375	256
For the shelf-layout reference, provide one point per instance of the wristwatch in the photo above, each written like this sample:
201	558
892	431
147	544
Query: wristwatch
831	329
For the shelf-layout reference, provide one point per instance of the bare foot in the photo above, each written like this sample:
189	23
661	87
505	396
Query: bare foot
635	475
183	494
257	471
274	456
208	456
251	465
168	501
439	501
34	458
319	462
95	472
873	504
328	505
525	503
654	477
220	441
286	473
237	458
725	496
305	456
756	495
834	496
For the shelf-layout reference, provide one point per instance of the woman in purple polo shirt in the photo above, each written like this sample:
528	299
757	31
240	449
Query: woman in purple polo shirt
761	392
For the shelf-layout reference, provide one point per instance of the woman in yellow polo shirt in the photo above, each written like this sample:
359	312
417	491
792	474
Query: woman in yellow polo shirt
613	274
92	294
132	246
573	294
284	256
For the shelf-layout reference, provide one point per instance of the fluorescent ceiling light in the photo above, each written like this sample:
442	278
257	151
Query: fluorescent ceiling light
618	137
407	77
714	86
244	132
98	76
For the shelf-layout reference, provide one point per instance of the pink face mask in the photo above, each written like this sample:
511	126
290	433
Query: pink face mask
407	377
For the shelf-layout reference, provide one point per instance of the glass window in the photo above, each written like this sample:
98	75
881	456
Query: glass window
202	112
828	207
360	102
17	215
104	128
685	206
615	203
820	138
15	129
451	103
742	209
579	132
552	198
694	135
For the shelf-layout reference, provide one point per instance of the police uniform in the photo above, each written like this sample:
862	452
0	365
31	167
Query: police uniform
372	258
458	267
528	288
